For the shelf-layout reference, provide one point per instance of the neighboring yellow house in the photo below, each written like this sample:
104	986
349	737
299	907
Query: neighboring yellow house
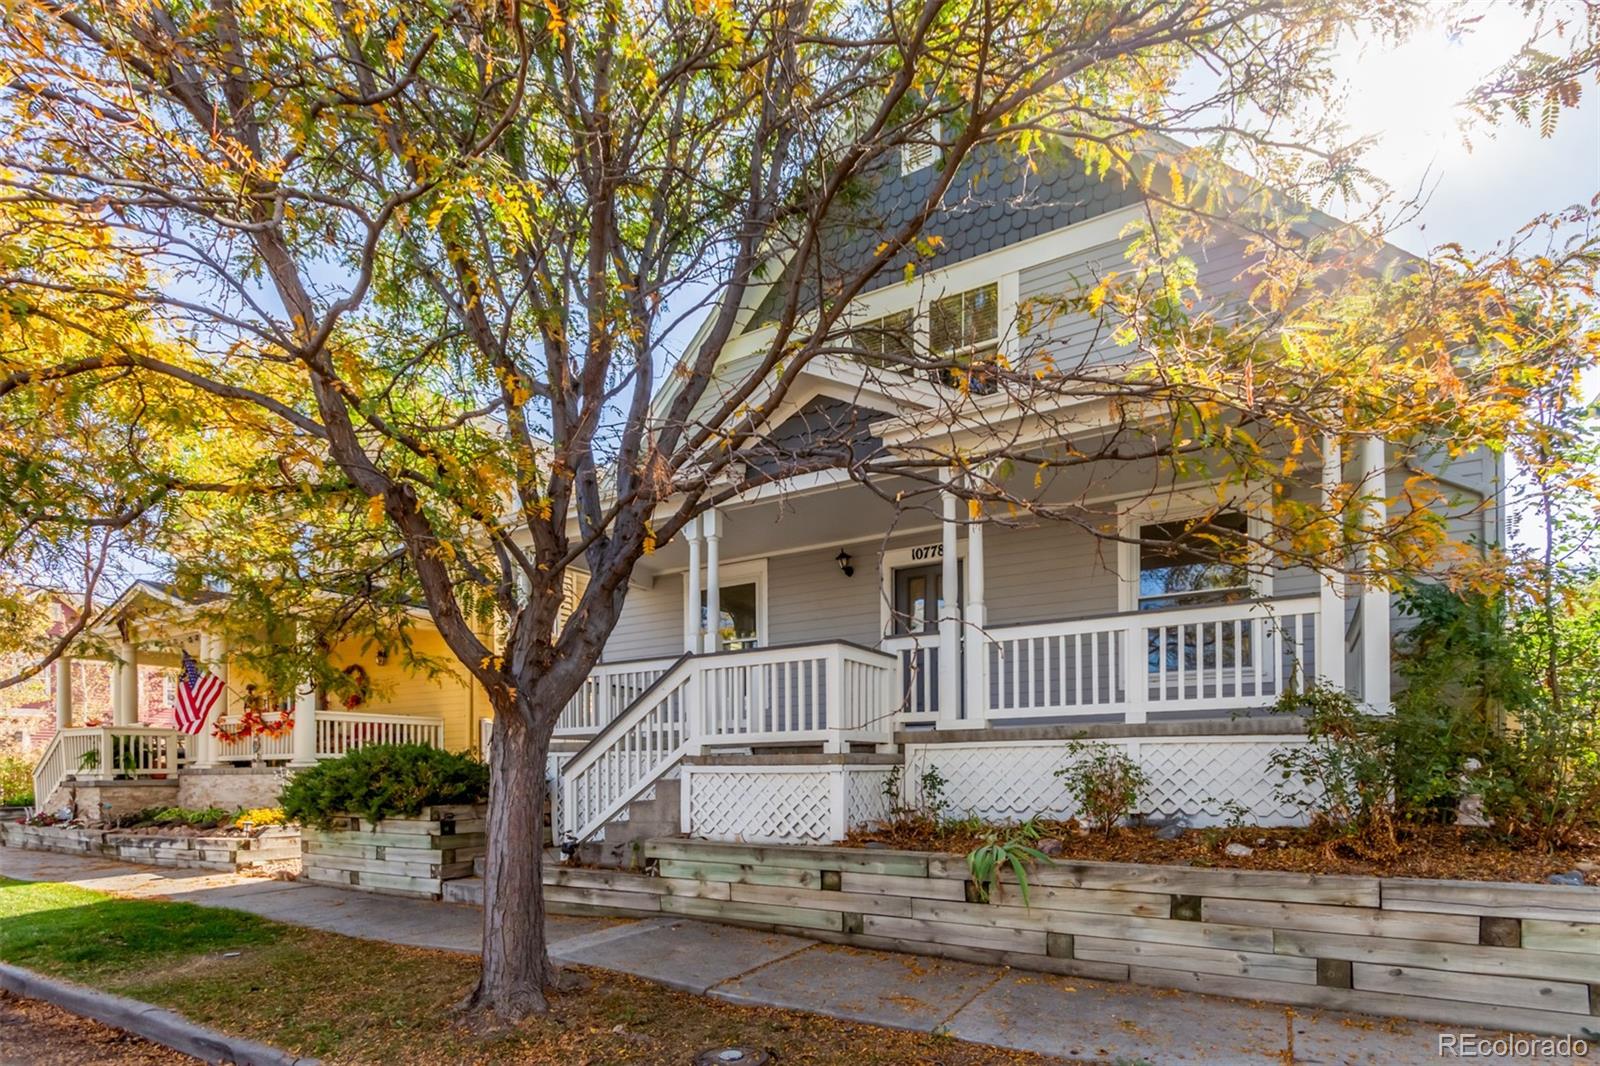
253	733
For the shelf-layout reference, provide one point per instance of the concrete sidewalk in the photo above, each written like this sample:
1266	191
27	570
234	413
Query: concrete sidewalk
1072	1018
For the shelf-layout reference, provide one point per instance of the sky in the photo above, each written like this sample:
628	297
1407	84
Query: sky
1409	98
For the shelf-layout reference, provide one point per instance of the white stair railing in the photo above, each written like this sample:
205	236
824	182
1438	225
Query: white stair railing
643	743
833	694
49	771
106	753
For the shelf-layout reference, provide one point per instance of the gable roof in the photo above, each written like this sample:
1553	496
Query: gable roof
996	199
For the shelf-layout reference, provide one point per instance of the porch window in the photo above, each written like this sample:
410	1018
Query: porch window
965	328
1193	563
738	627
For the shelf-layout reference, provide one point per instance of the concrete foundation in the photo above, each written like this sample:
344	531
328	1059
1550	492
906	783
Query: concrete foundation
230	787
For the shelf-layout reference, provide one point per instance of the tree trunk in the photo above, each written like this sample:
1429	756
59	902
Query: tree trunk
516	967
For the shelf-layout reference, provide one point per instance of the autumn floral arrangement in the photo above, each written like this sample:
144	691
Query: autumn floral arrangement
254	722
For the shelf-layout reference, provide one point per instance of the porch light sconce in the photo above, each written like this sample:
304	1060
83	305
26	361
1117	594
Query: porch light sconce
843	559
382	656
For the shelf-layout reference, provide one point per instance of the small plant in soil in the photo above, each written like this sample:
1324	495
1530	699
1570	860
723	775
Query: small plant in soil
1016	850
1104	782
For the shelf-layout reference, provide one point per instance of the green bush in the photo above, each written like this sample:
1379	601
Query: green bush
1105	782
383	781
16	781
1343	776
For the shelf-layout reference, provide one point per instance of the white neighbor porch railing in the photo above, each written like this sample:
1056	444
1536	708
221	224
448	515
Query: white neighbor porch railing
1215	658
105	752
339	732
243	749
831	693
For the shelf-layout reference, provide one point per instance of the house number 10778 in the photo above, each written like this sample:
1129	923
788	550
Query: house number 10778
926	552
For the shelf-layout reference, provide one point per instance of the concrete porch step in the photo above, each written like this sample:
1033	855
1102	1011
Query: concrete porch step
464	890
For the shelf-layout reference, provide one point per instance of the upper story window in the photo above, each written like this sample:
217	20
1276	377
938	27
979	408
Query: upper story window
887	341
965	328
1189	564
919	155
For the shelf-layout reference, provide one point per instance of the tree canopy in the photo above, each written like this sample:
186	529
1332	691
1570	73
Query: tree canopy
357	305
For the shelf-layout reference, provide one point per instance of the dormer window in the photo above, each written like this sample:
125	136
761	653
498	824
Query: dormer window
921	153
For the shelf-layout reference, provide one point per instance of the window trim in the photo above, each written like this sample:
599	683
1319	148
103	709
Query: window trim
754	570
1192	501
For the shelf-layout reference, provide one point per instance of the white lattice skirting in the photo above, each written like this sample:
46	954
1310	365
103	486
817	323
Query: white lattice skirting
781	804
1196	777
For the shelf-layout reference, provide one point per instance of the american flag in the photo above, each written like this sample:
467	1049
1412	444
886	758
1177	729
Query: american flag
197	694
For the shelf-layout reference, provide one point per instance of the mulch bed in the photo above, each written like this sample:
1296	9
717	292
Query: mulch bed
1446	852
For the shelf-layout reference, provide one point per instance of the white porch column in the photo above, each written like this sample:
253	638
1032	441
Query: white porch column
691	614
711	523
1330	605
125	691
63	693
1374	594
949	619
303	736
975	622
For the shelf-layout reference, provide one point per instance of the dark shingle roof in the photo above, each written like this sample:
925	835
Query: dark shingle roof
996	200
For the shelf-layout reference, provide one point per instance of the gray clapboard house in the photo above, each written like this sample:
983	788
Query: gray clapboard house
776	663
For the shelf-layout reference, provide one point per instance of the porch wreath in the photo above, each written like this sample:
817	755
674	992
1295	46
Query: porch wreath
363	686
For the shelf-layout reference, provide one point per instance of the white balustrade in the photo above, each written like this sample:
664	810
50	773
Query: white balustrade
833	694
917	675
1214	658
107	753
609	690
1058	668
339	732
637	749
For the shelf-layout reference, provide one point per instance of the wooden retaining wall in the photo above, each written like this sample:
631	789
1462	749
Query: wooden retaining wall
396	856
1523	957
206	852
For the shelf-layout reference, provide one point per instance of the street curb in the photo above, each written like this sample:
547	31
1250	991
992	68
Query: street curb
142	1019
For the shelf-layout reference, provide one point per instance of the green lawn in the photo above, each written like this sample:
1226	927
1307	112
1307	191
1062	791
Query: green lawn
356	1001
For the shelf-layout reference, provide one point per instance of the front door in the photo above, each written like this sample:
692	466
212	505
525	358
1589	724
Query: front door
919	598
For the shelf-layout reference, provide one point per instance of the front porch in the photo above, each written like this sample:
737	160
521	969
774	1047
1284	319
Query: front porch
734	639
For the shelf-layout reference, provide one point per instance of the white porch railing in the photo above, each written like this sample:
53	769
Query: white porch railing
278	748
916	675
609	690
339	732
1216	658
107	752
833	694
